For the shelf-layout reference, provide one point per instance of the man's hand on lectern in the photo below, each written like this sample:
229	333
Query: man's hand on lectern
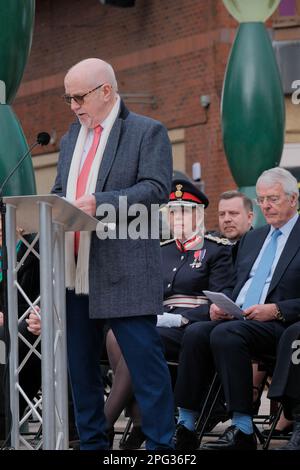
86	204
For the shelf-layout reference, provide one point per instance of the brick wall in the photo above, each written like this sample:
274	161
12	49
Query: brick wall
175	50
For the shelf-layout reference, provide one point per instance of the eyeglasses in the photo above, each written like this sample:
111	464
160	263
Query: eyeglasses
79	99
270	199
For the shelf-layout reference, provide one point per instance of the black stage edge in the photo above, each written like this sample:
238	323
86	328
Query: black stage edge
145	459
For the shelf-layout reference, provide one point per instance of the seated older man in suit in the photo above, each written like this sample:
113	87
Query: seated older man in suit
285	386
266	286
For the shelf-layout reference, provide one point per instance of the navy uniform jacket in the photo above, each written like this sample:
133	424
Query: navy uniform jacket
190	272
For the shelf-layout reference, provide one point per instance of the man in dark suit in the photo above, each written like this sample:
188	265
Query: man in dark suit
109	156
266	286
235	214
286	380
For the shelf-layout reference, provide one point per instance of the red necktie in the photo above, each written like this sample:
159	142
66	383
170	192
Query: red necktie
84	174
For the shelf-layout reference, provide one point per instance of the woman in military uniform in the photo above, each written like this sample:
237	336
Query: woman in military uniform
192	262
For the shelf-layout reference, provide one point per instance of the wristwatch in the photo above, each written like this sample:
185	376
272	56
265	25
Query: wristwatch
278	315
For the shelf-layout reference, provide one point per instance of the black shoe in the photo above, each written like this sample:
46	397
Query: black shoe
186	440
232	439
74	445
278	432
135	439
294	442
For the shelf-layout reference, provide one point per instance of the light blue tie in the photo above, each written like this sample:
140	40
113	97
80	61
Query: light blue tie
262	272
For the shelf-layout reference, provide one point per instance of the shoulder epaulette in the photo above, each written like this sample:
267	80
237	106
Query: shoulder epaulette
166	242
219	240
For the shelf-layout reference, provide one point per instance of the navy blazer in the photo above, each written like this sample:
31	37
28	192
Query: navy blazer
284	288
125	275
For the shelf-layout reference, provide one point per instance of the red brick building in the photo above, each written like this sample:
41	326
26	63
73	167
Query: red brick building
167	54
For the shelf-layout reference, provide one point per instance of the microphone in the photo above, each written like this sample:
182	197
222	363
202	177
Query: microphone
43	138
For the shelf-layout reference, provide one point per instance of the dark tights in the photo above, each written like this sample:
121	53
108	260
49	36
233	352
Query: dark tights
121	395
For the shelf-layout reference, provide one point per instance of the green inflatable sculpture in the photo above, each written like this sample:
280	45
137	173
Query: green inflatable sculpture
253	110
16	29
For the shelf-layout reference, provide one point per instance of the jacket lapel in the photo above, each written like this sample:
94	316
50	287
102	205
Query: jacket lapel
73	135
291	247
249	256
256	246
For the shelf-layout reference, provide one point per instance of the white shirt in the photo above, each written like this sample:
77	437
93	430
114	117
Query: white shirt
281	241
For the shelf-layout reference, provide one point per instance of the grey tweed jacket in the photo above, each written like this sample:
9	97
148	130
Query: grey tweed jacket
125	275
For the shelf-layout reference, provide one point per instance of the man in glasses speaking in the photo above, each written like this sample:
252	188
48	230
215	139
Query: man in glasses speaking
109	153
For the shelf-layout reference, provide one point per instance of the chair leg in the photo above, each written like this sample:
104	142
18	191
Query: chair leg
259	435
205	406
276	419
126	431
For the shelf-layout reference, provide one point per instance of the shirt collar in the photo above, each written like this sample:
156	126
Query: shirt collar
194	243
287	227
113	113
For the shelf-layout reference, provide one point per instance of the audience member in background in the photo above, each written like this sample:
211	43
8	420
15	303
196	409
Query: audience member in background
235	214
266	286
191	264
285	386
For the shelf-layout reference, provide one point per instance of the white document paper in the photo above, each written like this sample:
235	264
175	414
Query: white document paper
225	303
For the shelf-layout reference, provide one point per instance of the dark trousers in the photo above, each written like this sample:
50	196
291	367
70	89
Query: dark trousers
285	386
142	350
171	339
229	348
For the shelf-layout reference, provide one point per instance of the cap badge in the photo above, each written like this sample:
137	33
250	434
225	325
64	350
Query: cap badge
178	192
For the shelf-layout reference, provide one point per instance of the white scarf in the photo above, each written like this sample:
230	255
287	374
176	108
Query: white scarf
77	276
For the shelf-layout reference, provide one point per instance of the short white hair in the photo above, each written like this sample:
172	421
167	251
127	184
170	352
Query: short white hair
281	176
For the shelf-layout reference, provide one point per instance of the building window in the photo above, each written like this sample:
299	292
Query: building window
177	139
287	14
287	8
